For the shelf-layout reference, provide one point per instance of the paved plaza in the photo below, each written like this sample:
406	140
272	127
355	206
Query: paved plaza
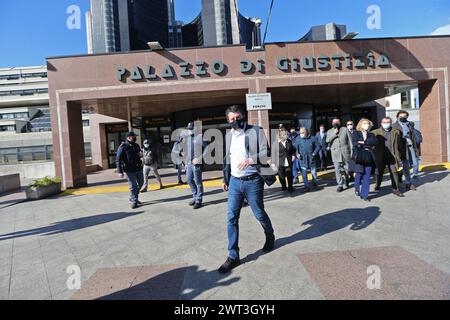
329	246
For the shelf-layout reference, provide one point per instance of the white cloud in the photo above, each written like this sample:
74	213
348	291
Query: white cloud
441	31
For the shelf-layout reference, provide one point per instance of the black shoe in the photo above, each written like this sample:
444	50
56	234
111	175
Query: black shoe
269	245
398	193
229	265
197	205
357	193
192	203
365	199
244	203
377	188
134	205
340	189
143	191
283	188
181	182
347	183
291	190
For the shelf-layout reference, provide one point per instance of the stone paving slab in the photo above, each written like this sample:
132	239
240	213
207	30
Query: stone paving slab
347	275
140	283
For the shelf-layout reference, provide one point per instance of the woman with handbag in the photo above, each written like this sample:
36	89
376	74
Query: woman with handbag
362	157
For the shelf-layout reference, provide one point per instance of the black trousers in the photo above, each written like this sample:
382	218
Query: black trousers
392	172
285	173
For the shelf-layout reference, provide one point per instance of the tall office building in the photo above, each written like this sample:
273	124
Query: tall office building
127	25
220	23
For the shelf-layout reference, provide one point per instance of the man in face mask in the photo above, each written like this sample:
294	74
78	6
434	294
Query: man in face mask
409	148
339	140
242	180
293	134
387	154
194	146
128	161
321	138
350	126
307	149
150	164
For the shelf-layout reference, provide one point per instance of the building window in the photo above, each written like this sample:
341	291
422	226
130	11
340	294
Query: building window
8	128
406	99
85	123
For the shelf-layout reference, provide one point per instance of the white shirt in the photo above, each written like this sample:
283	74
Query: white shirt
238	153
286	162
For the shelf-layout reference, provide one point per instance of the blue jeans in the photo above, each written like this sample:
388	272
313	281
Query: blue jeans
194	179
365	179
295	169
305	175
179	172
407	166
135	182
253	191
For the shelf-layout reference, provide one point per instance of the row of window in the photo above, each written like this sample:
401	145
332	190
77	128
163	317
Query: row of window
14	115
26	92
10	127
36	153
23	75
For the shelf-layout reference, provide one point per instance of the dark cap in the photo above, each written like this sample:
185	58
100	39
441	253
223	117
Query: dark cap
131	134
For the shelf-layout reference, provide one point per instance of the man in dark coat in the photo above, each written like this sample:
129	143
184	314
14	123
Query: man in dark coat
286	153
307	149
409	147
388	154
128	161
321	137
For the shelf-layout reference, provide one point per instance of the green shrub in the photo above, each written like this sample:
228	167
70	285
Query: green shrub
42	182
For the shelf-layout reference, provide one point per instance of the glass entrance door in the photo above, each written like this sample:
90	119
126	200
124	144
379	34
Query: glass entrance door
159	138
114	140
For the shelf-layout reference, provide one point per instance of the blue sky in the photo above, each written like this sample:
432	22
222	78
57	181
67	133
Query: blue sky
32	30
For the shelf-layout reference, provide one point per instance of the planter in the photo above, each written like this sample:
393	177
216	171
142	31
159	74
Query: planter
35	193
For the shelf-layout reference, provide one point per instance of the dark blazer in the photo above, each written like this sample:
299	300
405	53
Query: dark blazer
369	144
382	153
262	152
322	142
286	153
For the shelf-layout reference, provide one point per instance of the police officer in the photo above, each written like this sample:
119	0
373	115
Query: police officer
128	160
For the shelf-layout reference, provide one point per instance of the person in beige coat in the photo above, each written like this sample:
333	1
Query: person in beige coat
340	142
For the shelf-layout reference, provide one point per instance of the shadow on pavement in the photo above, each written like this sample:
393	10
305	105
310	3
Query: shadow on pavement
169	285
70	225
356	219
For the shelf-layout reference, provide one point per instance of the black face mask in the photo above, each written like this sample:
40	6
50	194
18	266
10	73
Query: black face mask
404	120
336	125
237	124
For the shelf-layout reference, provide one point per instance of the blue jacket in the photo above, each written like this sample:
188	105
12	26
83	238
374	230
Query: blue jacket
307	150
